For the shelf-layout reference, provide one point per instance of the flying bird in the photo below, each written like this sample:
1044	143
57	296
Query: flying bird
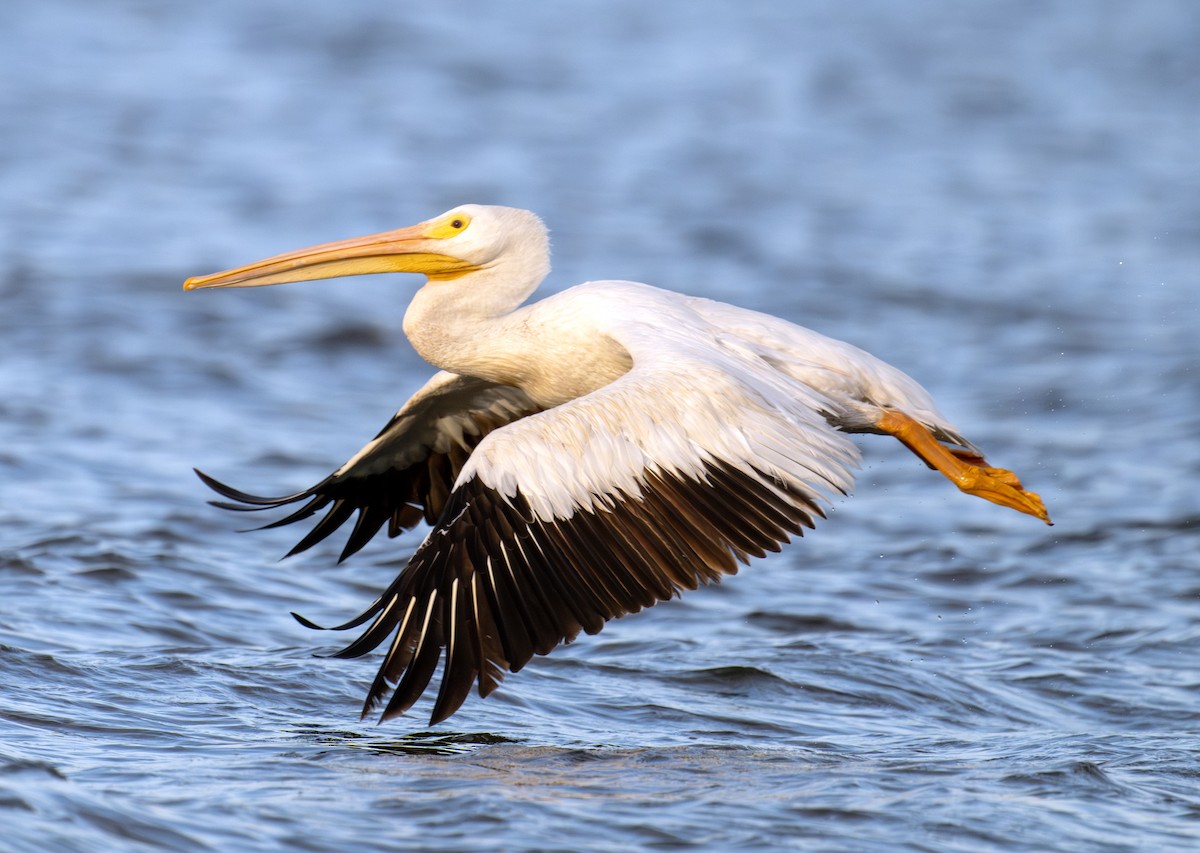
583	456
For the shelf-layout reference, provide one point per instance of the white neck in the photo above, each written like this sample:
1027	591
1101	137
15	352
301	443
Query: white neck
467	325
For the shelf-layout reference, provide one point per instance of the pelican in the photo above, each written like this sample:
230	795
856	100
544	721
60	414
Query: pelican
584	456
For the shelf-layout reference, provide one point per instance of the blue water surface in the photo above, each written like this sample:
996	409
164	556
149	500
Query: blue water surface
1001	198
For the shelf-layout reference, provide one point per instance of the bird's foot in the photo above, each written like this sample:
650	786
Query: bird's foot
998	485
969	471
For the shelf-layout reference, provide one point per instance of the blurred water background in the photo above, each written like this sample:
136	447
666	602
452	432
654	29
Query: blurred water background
1002	198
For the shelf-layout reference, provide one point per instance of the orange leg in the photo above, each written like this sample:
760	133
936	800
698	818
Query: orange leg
966	470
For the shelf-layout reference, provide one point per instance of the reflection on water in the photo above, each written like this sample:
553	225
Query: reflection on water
996	198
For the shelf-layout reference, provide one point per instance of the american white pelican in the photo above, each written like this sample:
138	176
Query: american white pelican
585	456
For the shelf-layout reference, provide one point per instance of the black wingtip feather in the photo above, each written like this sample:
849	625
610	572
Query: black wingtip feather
240	507
307	623
370	519
337	515
245	497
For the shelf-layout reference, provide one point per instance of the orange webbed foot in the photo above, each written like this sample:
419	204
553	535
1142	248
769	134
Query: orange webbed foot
1000	486
967	470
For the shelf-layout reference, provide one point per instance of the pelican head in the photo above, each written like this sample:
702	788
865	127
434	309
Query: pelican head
466	239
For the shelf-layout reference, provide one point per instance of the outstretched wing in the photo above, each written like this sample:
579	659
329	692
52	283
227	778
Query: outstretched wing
656	483
405	474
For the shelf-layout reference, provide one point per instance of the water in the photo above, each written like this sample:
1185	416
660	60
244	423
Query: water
1001	198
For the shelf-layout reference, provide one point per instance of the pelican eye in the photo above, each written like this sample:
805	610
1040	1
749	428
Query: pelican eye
451	226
